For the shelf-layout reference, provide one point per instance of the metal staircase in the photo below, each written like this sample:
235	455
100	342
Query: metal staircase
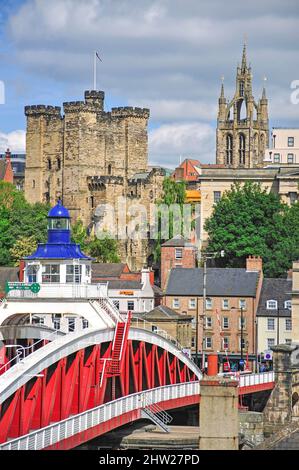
156	414
111	366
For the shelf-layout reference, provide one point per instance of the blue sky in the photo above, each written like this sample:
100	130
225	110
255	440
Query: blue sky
167	55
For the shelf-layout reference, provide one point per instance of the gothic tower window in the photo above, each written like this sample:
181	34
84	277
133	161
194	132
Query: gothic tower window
241	89
229	149
242	149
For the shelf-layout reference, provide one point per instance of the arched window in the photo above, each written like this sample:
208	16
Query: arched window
242	149
109	169
229	149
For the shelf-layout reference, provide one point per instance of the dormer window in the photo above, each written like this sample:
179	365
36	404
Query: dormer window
288	304
271	304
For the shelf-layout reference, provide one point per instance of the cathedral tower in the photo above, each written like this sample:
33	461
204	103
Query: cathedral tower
242	124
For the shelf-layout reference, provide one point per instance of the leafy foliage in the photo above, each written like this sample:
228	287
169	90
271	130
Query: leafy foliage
104	250
19	221
24	246
173	193
249	221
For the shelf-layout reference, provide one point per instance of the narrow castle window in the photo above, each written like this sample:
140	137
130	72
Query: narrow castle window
242	149
229	149
58	164
49	164
33	184
109	169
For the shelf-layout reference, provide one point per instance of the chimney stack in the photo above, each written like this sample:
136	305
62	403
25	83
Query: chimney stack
254	263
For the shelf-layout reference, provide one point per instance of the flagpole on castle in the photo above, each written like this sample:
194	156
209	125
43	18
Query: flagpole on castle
94	70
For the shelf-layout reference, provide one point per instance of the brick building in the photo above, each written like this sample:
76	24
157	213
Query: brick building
176	253
231	293
175	325
6	171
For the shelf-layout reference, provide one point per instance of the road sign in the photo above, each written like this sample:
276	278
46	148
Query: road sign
35	287
268	355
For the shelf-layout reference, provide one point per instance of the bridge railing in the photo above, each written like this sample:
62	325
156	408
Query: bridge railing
256	379
69	427
152	327
57	290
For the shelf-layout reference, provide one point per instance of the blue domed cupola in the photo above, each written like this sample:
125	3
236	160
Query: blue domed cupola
59	230
59	244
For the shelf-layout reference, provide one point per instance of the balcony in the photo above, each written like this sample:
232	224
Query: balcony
20	290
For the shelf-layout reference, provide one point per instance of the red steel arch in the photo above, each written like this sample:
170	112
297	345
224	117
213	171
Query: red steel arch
74	384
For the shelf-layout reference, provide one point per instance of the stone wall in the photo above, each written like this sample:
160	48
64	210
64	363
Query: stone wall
251	428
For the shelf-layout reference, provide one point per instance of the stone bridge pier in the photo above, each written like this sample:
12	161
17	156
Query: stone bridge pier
283	405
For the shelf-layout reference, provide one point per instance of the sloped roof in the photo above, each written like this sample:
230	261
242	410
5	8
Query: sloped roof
230	282
58	251
107	269
123	284
178	240
275	289
165	313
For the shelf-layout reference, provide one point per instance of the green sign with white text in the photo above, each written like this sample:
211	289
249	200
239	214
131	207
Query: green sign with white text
35	287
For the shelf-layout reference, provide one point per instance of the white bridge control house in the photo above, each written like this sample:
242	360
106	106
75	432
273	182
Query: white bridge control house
57	290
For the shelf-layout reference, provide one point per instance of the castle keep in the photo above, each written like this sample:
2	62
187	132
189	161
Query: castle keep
87	156
242	125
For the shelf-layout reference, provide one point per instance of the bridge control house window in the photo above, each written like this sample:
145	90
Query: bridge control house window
51	273
73	274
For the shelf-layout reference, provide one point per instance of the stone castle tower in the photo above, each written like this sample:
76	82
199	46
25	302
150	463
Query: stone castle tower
242	125
86	157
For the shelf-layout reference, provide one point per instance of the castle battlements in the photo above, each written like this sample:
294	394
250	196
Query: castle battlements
129	111
41	109
78	107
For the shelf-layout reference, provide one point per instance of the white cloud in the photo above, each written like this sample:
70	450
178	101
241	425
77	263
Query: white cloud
169	142
15	141
178	109
167	55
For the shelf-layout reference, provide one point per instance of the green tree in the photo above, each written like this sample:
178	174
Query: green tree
173	193
19	219
249	221
79	234
24	246
104	250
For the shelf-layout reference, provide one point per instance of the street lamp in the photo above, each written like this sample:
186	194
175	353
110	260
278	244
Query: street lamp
205	256
278	323
242	337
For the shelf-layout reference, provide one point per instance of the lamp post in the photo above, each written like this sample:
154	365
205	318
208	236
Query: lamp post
205	257
277	324
241	336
